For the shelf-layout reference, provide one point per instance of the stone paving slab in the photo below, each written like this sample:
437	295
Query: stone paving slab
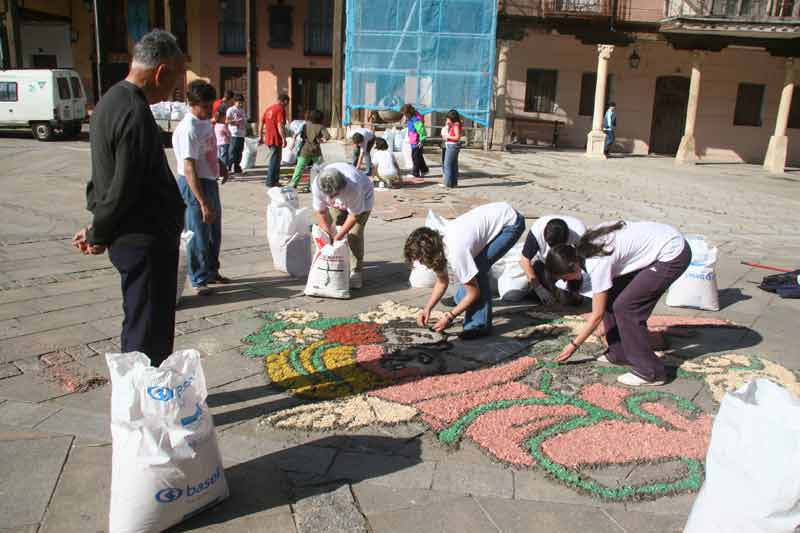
72	421
385	470
520	517
27	481
25	415
635	522
451	516
81	498
376	498
328	509
476	480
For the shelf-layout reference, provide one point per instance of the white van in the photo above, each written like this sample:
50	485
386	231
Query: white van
46	101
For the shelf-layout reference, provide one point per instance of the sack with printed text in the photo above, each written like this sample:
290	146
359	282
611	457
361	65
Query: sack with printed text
697	287
330	267
166	464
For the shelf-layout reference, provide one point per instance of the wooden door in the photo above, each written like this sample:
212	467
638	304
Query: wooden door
311	89
669	114
233	79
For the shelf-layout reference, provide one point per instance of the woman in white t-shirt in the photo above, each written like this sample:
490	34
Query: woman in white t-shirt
627	266
470	245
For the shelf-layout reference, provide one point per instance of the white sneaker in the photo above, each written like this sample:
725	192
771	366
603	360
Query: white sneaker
632	380
356	279
603	359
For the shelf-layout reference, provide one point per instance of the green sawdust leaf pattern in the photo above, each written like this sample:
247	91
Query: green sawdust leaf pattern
595	414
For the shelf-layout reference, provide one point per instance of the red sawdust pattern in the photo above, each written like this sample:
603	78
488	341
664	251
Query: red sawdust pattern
619	442
505	431
355	334
444	411
436	386
609	398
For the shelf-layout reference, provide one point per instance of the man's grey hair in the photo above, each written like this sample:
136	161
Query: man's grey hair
156	48
331	181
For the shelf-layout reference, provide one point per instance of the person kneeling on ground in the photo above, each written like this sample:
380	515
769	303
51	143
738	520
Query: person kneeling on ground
471	244
385	165
195	146
344	194
628	265
313	134
549	231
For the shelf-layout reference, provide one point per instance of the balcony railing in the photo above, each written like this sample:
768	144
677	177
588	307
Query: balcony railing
735	9
555	8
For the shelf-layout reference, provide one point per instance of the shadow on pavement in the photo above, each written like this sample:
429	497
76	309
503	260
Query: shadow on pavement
267	483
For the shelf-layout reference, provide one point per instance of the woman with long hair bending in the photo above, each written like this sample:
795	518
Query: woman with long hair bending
470	245
628	266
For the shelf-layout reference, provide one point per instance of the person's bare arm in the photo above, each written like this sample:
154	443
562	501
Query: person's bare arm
349	222
439	288
473	293
324	220
599	302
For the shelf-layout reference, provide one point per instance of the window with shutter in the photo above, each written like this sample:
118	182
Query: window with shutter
540	91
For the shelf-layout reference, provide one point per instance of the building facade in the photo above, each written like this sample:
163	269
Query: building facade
256	48
712	80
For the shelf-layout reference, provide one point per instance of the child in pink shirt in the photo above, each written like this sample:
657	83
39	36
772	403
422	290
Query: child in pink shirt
223	135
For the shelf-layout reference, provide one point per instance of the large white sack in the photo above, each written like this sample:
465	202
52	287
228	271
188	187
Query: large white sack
508	277
288	155
421	276
697	287
435	222
330	267
752	480
183	263
166	464
250	152
288	232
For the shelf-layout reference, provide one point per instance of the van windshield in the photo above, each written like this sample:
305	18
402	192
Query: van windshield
76	87
63	89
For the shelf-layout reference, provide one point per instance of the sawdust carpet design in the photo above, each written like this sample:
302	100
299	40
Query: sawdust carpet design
573	421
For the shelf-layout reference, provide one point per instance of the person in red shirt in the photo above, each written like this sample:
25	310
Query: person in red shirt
273	135
221	104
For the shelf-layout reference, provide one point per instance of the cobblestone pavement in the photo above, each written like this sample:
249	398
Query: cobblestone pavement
60	312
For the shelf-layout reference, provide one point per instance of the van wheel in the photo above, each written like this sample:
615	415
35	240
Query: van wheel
42	131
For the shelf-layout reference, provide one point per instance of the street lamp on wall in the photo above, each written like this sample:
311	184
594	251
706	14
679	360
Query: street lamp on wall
634	59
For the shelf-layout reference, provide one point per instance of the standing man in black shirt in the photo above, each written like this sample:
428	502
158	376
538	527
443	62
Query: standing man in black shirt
135	202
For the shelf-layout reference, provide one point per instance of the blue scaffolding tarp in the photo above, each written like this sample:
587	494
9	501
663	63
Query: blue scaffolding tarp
435	54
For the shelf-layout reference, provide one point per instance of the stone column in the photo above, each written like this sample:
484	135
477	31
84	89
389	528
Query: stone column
500	129
337	61
687	151
596	139
775	160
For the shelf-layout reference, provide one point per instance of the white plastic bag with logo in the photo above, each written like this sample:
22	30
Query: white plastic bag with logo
752	483
166	463
330	267
697	287
183	263
250	152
